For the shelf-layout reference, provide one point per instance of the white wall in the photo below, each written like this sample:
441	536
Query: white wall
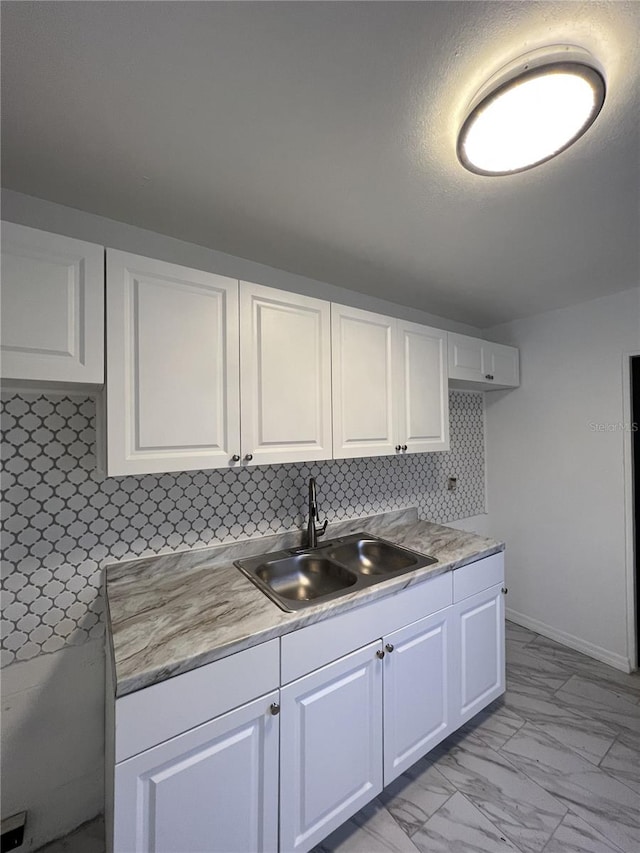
556	486
37	213
53	740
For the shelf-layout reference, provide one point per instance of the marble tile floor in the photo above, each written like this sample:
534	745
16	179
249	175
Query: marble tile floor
551	767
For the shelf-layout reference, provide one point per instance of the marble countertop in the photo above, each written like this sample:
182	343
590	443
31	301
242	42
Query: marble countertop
173	613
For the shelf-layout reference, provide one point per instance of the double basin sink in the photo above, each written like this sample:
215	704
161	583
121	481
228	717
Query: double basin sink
303	577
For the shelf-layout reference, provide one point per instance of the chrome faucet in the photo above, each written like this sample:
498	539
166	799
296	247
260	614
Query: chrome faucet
312	531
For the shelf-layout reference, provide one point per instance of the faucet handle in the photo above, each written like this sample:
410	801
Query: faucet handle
323	529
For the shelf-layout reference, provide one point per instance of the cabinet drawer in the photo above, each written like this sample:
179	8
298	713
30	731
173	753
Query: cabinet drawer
319	644
164	710
478	576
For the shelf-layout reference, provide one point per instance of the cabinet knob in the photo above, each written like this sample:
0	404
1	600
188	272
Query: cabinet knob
248	457
275	708
235	458
404	447
504	590
488	376
380	654
389	647
398	448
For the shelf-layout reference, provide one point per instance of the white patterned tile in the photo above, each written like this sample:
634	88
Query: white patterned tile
62	519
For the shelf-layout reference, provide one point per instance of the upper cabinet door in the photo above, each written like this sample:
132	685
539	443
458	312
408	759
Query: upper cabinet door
482	365
422	388
285	364
52	307
363	383
465	358
172	369
502	363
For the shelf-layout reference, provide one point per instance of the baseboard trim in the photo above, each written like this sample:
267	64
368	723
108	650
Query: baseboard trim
611	658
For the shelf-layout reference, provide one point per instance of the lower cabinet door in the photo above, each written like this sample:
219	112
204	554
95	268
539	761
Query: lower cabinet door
416	692
478	637
331	757
210	790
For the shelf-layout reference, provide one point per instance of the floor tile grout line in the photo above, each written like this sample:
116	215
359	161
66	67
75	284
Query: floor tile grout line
382	805
423	824
612	844
613	775
562	800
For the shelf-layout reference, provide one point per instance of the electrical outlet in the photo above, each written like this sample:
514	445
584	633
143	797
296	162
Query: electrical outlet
452	484
12	832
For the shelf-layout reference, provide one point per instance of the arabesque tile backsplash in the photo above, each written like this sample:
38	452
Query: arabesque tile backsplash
62	520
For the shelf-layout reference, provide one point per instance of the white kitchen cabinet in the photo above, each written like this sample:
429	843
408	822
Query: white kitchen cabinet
285	376
389	385
52	307
206	373
483	365
363	695
209	790
172	367
331	746
417	669
364	383
477	629
422	399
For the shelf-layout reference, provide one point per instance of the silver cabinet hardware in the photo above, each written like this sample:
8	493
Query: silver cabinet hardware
275	708
488	376
404	447
504	590
235	458
389	647
248	457
398	448
380	654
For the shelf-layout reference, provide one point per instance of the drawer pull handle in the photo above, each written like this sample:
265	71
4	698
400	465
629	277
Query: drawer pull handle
275	708
380	654
389	647
504	590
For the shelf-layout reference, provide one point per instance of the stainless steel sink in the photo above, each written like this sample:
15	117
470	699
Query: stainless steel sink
303	577
375	557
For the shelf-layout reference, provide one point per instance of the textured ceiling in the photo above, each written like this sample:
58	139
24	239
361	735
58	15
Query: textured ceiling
320	138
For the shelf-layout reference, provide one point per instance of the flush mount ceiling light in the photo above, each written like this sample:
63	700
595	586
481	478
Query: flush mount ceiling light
531	110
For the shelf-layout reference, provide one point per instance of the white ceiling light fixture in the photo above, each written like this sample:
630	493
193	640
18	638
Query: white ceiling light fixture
531	110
